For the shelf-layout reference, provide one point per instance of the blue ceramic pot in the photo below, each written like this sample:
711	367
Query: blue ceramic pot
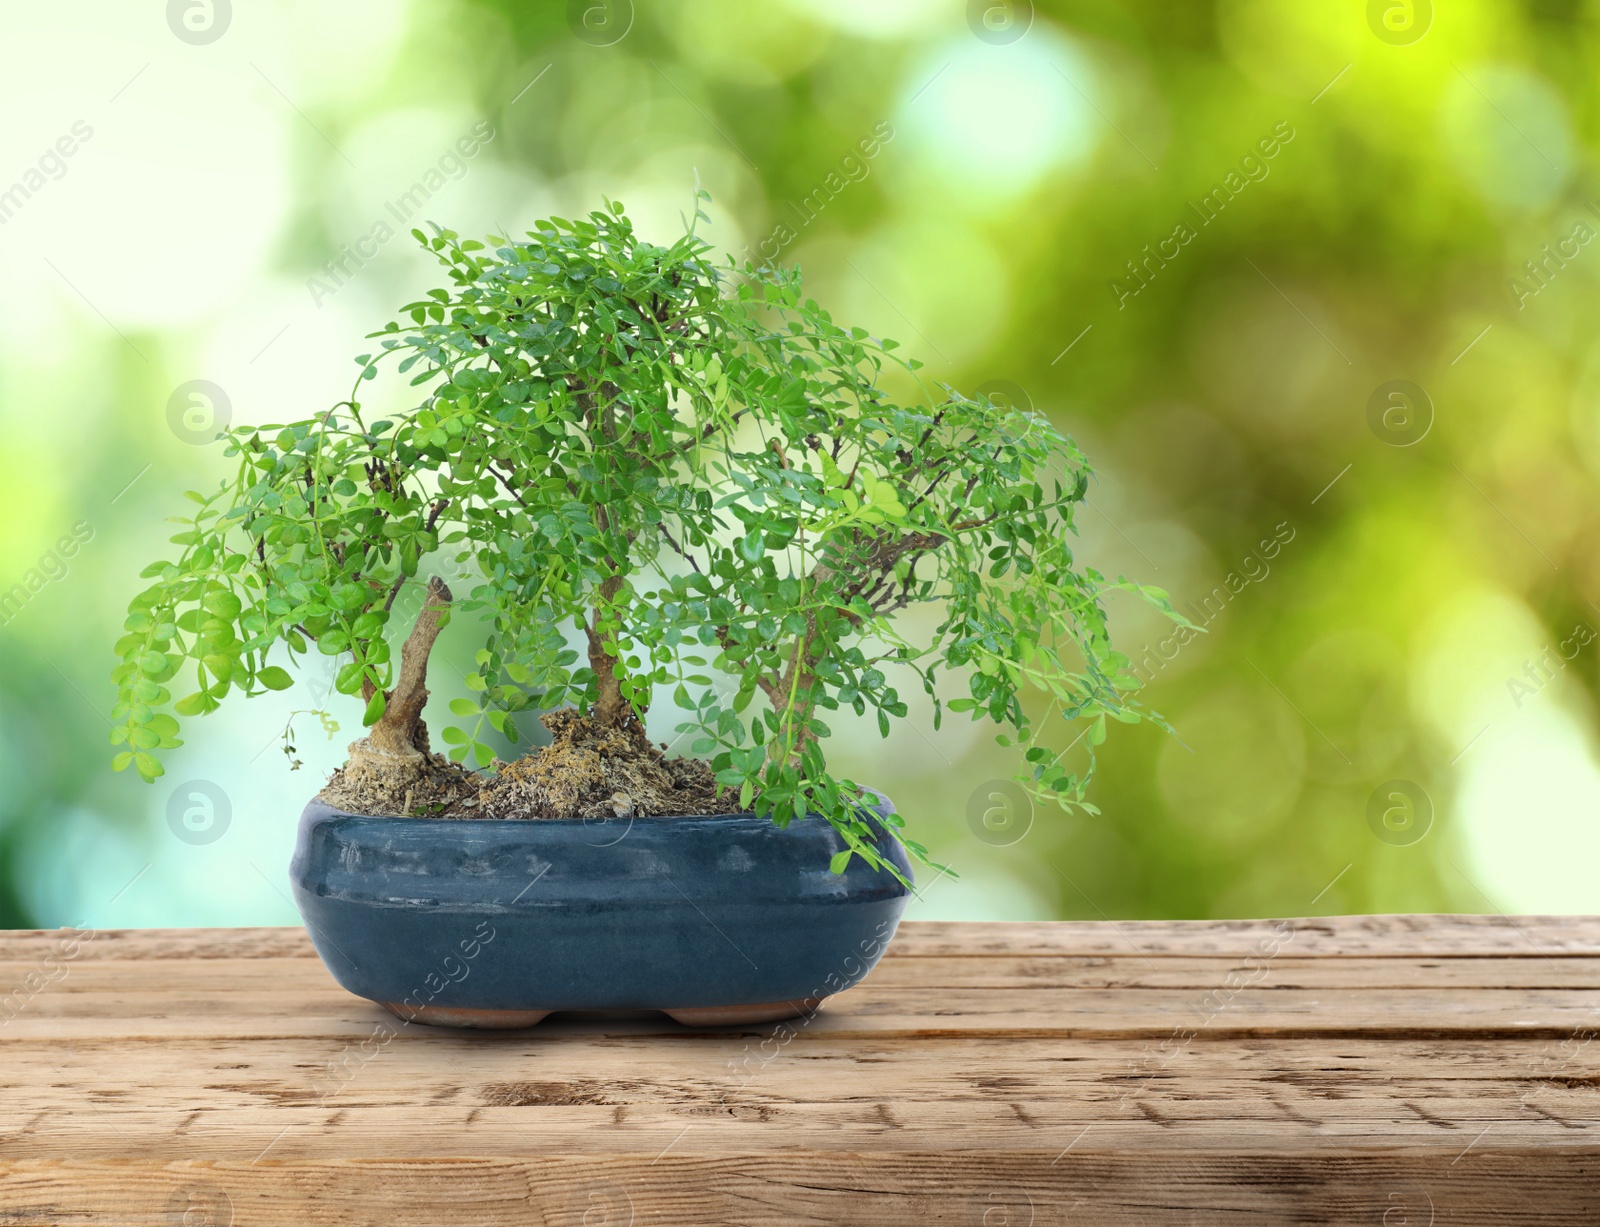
498	922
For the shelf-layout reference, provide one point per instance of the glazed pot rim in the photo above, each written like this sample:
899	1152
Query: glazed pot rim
881	812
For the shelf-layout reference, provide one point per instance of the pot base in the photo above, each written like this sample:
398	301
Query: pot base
689	1016
734	1015
450	1016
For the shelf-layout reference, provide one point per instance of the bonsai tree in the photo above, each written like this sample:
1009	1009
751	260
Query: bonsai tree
649	477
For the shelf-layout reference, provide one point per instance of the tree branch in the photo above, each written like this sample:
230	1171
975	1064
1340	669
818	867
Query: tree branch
678	549
433	518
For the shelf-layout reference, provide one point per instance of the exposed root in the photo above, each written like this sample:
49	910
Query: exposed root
374	781
590	770
594	770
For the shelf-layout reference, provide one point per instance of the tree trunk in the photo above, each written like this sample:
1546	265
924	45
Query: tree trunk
400	730
387	764
610	708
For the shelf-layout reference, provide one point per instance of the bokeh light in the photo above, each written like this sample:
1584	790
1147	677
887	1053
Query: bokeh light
1201	238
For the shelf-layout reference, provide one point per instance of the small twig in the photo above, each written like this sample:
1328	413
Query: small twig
681	552
433	518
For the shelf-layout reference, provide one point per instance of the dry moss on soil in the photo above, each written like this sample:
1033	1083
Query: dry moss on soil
589	770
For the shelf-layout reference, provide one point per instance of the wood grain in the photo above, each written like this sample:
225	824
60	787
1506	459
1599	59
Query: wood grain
1377	1070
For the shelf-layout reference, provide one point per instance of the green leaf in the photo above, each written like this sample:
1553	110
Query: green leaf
223	604
684	461
375	709
191	704
839	861
367	625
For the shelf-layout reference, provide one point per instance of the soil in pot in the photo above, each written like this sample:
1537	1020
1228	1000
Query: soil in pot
589	770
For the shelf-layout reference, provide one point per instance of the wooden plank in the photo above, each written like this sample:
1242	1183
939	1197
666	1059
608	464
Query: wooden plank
908	1013
1438	936
999	971
813	1088
1366	1069
1405	936
1232	1000
812	1188
1444	1123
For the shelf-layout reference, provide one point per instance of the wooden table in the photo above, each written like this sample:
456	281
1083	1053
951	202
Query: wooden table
1375	1070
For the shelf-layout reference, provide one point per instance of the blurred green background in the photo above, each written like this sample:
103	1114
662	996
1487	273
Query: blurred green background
1311	283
